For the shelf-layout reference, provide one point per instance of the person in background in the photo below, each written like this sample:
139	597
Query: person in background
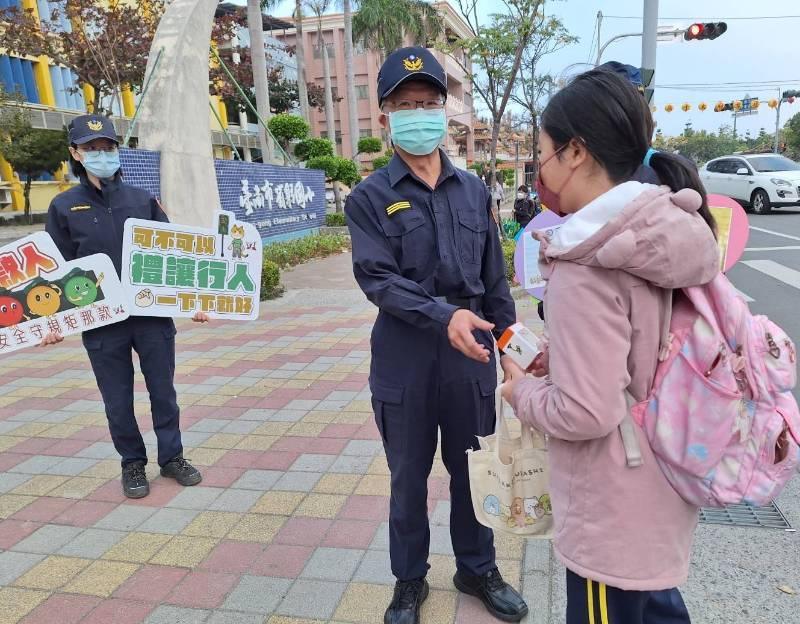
608	269
524	207
497	193
89	219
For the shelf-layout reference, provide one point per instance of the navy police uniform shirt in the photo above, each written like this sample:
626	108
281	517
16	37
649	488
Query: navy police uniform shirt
414	247
86	220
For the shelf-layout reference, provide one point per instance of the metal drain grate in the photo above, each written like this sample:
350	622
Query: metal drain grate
768	517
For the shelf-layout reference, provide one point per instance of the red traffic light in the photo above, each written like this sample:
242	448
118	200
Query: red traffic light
708	30
695	31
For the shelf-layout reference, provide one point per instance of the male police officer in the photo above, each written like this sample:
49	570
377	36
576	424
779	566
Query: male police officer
89	219
425	253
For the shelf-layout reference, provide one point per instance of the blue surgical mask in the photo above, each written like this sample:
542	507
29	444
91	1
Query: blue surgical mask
101	164
418	131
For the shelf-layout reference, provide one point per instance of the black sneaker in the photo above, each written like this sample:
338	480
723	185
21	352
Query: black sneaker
499	598
182	471
407	600
134	481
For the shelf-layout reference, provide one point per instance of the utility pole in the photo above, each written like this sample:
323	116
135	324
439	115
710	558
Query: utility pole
258	52
649	46
778	121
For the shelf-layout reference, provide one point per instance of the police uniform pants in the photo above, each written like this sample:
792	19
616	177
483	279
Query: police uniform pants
420	386
110	352
589	602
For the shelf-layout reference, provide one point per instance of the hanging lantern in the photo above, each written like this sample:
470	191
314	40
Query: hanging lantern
791	100
754	104
737	105
702	106
773	103
653	108
669	108
686	107
719	107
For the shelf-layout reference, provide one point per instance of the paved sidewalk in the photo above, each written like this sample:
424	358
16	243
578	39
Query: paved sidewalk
289	525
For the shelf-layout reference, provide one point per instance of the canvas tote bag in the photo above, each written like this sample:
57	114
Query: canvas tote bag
509	480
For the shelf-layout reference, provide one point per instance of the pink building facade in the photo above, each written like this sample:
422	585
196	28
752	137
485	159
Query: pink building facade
459	143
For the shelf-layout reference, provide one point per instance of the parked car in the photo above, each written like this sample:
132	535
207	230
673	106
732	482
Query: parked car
759	182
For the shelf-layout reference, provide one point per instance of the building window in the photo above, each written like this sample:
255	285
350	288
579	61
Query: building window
362	92
365	132
335	94
318	52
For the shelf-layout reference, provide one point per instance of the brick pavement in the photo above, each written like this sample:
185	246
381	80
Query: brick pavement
290	523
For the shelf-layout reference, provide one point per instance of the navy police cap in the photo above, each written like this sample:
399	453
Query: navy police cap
405	64
90	127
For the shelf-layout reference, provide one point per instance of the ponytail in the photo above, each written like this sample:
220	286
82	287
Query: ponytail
679	173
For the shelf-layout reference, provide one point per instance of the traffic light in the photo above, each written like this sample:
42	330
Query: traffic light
790	94
705	30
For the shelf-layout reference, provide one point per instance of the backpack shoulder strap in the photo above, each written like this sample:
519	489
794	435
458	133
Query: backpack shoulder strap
666	319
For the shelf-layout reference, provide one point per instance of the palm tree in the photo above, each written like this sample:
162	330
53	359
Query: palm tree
352	103
318	7
255	24
302	87
383	25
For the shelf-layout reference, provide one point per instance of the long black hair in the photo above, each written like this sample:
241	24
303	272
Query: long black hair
611	118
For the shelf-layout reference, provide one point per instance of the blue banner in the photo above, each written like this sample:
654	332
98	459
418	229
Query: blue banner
278	201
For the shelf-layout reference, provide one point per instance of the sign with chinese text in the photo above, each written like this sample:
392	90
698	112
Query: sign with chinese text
178	270
41	293
276	200
526	253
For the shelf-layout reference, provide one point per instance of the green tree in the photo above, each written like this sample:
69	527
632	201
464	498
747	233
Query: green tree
30	151
384	25
495	51
791	136
337	169
286	128
368	145
533	86
314	147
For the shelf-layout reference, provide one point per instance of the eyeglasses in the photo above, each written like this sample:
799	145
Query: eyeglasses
406	105
108	150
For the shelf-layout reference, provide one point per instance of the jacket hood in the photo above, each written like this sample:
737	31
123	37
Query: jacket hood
657	236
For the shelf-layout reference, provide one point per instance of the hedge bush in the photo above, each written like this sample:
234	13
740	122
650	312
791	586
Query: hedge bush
335	219
508	253
270	281
290	253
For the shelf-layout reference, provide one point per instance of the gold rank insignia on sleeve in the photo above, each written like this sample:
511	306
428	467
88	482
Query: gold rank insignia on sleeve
79	208
397	207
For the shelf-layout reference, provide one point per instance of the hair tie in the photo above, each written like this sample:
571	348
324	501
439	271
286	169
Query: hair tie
648	156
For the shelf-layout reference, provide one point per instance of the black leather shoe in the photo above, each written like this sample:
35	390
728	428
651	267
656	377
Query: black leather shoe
407	600
134	481
182	471
499	598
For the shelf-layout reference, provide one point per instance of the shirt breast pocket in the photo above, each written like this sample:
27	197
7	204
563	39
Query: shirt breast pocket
472	236
411	238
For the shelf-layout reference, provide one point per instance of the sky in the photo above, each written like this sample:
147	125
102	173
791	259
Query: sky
751	51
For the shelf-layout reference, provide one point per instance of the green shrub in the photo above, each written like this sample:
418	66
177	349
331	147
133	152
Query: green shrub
335	219
380	162
270	281
508	253
289	253
369	145
314	147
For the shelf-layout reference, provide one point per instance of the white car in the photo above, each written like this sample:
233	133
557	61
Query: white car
760	182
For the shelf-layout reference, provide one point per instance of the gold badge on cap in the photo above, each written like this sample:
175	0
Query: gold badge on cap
412	63
95	125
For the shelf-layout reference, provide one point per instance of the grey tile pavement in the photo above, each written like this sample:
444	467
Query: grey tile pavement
297	481
261	480
166	614
327	595
92	543
15	564
236	500
257	594
169	521
125	518
48	539
332	564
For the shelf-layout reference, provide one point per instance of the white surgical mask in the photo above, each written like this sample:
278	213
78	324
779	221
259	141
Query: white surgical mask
520	195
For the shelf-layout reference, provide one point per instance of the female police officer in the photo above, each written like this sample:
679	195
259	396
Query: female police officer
89	219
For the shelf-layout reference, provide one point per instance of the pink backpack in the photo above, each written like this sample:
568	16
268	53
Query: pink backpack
720	418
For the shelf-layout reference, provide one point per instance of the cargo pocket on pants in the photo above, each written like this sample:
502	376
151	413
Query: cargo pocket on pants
387	403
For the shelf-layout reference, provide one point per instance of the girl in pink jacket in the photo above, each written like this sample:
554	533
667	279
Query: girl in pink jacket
623	533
